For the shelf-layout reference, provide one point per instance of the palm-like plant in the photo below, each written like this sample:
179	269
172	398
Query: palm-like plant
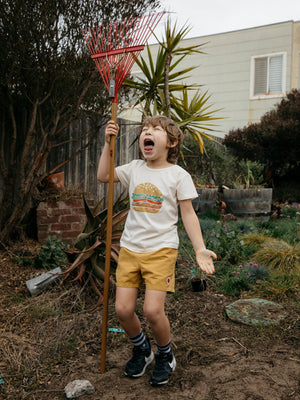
162	81
162	75
194	116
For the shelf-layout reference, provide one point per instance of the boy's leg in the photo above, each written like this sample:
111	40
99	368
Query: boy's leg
154	309
142	353
125	309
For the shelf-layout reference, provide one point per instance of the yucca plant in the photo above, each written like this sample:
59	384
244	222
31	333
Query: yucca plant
161	83
90	247
153	80
194	116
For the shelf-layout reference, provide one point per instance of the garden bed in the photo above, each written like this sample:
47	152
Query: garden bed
51	339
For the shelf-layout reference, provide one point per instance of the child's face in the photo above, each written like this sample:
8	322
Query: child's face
154	144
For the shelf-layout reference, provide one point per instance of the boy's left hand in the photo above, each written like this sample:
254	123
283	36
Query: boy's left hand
205	262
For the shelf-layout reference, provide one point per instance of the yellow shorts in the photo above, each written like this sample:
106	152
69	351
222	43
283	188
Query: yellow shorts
156	269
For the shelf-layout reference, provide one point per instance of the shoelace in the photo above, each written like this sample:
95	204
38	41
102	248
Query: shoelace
160	359
138	351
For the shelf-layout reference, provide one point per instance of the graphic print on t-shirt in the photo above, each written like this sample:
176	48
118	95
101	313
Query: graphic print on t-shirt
147	198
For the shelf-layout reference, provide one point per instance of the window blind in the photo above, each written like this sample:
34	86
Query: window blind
275	74
261	75
268	75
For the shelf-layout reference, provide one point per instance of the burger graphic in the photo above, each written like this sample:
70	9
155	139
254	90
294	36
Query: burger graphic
147	198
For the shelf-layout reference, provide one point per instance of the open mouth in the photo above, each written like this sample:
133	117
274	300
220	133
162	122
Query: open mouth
148	144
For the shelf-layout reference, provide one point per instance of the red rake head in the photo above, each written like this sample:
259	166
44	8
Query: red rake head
114	47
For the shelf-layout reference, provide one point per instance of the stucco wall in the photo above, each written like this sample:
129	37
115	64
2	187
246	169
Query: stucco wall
224	69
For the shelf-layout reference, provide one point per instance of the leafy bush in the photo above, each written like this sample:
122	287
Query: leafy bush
219	167
273	271
283	225
273	141
235	280
234	285
215	166
226	242
52	253
257	272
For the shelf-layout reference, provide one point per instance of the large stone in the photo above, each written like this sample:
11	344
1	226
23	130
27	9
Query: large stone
255	312
78	388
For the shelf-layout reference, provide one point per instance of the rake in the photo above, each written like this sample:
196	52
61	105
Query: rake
114	47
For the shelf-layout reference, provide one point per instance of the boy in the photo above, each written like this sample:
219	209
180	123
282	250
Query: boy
150	241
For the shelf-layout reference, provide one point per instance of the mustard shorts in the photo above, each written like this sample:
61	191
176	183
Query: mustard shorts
156	269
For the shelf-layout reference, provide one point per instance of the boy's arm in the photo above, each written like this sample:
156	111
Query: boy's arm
103	167
193	229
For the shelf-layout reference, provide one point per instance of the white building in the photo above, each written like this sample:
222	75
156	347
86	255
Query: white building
246	72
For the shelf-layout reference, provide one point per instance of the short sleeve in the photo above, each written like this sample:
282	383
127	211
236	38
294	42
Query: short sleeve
124	172
185	186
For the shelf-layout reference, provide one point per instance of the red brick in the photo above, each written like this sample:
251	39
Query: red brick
42	206
77	227
48	220
43	228
60	211
60	227
70	218
78	211
70	204
65	219
70	234
41	212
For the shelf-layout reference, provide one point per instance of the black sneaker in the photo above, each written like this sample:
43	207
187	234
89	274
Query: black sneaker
165	364
141	358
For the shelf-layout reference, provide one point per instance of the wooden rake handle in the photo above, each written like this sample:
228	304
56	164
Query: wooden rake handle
110	203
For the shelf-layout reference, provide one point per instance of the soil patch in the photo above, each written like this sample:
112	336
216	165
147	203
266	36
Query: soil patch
51	339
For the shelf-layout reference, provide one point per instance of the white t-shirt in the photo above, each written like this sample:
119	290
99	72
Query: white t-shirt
154	193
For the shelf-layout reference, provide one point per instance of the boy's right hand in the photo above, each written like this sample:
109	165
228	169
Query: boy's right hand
112	129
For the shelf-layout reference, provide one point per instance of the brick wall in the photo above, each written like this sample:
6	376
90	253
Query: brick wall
64	219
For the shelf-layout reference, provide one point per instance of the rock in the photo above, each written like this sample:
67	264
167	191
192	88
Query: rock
255	312
78	388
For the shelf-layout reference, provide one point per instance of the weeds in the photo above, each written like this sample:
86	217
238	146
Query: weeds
267	251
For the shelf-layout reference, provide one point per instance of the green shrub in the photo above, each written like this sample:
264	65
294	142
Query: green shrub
257	272
52	254
236	281
226	242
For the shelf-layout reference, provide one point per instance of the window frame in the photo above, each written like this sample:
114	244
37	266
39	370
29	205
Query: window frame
283	76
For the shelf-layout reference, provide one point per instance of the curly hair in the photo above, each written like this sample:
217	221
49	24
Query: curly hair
173	131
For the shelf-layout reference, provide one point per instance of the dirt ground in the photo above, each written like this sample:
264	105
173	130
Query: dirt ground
52	339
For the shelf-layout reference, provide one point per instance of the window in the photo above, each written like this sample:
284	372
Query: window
268	75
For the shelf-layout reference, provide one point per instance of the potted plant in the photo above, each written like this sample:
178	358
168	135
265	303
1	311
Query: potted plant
198	280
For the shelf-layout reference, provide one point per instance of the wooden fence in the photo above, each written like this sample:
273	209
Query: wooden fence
80	173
